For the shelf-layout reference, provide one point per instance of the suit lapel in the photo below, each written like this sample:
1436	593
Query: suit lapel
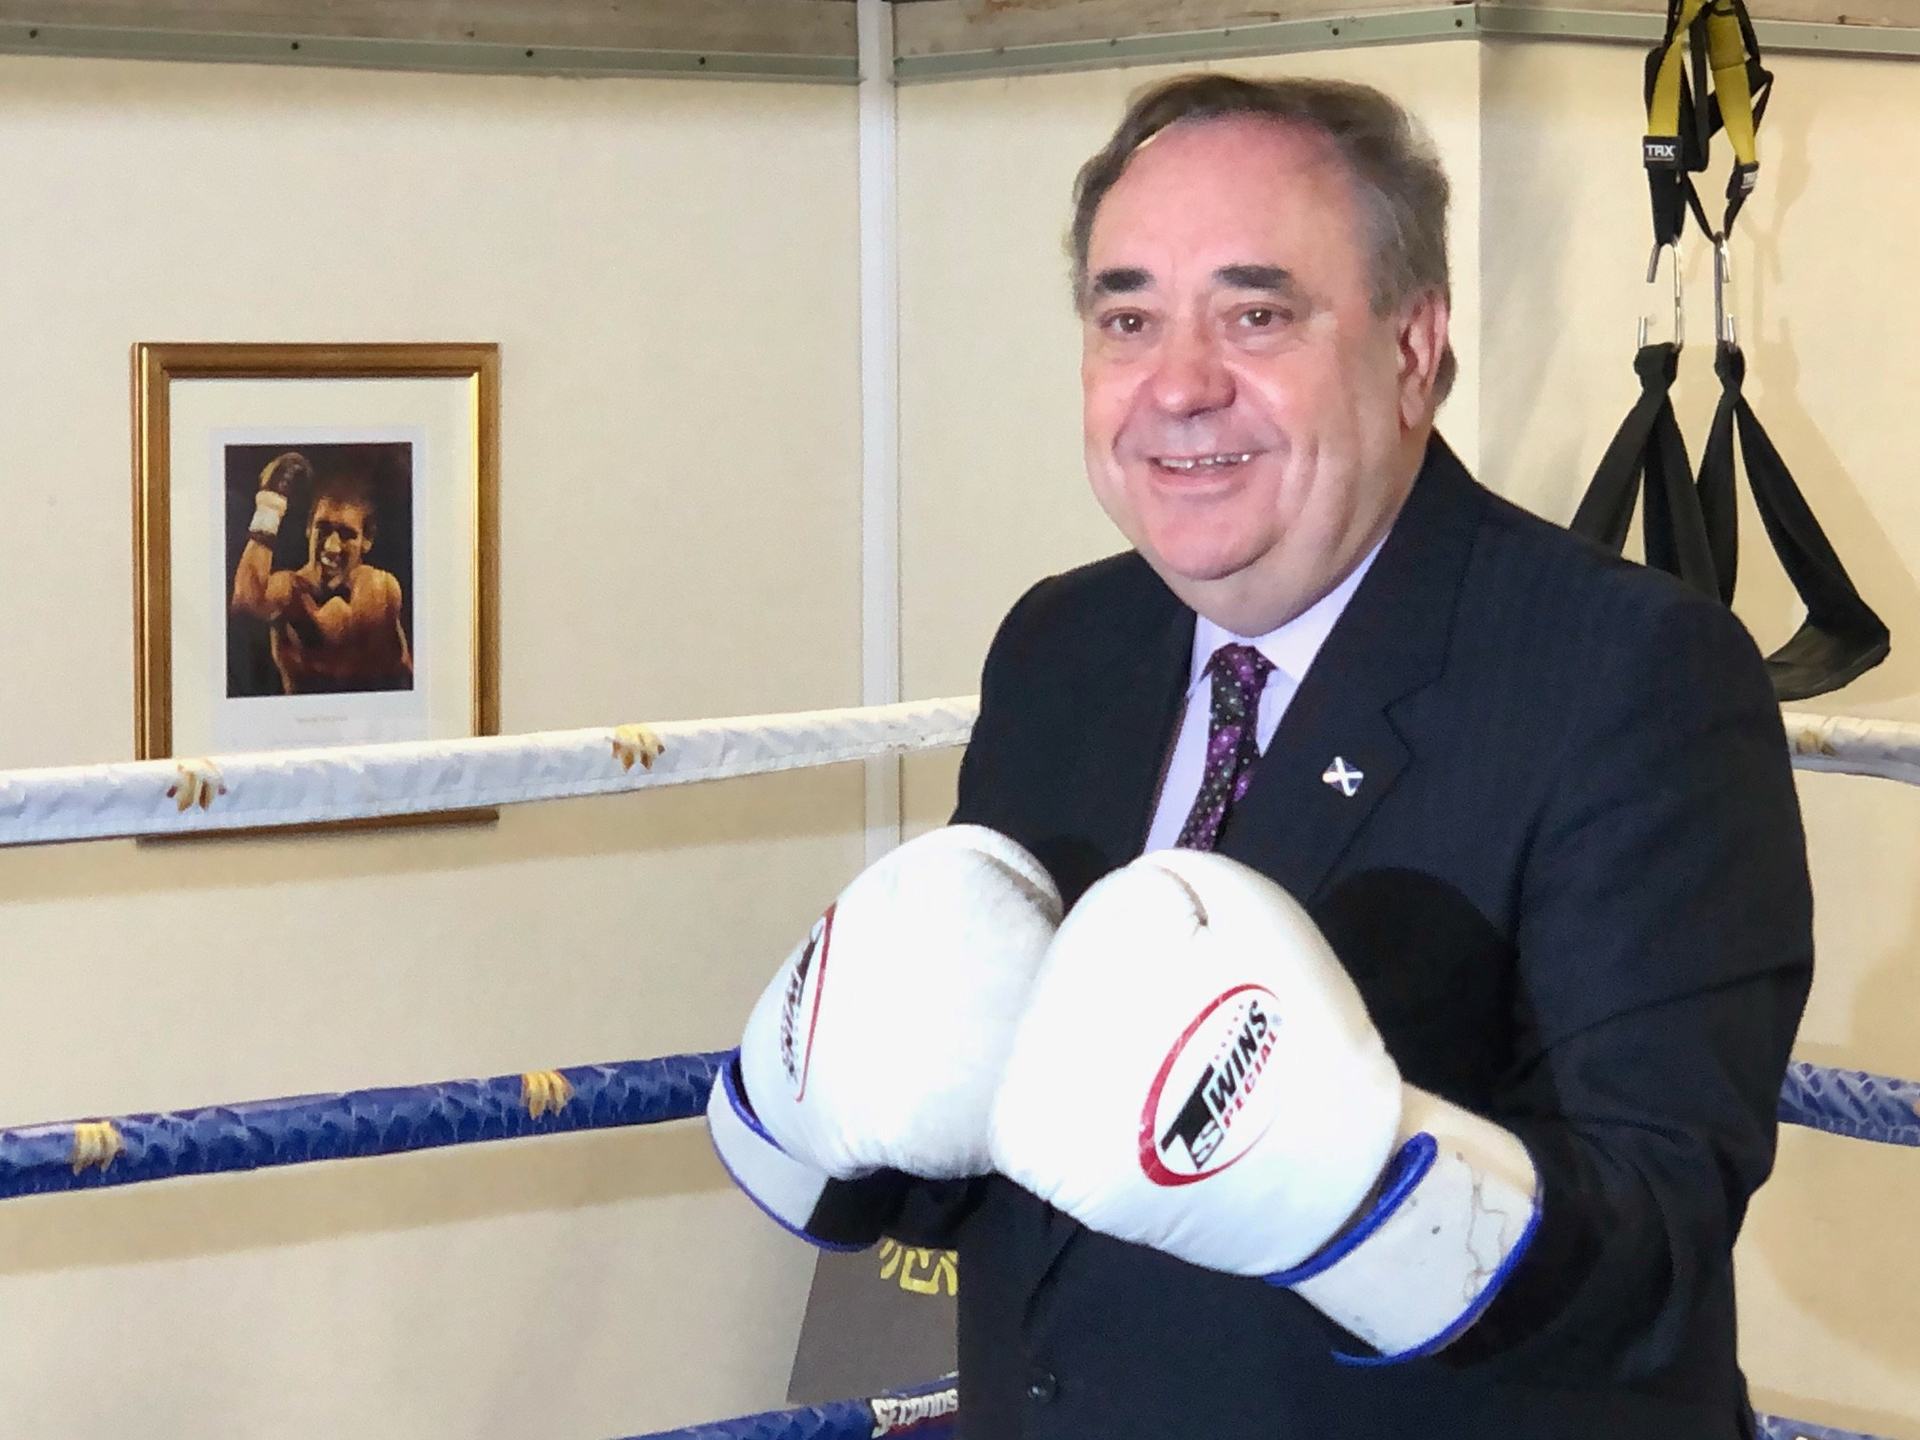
1116	772
1337	752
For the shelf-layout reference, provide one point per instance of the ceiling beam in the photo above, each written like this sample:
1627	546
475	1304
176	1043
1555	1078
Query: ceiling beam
951	39
935	27
1894	13
816	39
791	39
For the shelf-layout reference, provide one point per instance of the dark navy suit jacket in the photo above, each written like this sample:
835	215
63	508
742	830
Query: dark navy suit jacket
1571	888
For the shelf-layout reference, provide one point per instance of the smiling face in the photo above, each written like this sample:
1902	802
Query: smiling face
339	534
1251	424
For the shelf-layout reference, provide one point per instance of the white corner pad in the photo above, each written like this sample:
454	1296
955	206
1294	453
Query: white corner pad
1455	1211
788	1190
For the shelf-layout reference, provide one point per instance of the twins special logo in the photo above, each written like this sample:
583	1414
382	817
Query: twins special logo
1206	1107
895	1415
800	1011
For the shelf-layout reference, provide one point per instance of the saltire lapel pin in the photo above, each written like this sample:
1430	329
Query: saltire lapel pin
1343	777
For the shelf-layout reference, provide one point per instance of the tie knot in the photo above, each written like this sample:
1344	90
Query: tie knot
1241	666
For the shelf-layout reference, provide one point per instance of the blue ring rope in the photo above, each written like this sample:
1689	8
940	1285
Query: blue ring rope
1852	1103
890	1413
1774	1427
856	1420
42	1159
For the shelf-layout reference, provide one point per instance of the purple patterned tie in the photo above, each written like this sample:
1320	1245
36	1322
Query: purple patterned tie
1239	674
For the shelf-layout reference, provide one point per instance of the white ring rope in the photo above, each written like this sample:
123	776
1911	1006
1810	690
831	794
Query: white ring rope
359	782
1843	745
288	787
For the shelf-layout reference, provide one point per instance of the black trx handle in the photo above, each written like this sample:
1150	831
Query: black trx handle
1841	638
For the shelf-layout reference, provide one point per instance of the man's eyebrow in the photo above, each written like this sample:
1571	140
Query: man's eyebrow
1122	280
1255	277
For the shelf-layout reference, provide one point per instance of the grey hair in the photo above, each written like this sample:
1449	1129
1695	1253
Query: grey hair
1398	179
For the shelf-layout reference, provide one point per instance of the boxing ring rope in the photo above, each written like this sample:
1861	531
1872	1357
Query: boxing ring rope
177	797
925	1412
301	1129
1774	1427
258	1134
930	1412
366	782
362	782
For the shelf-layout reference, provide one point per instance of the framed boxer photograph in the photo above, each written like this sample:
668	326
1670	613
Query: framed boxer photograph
316	547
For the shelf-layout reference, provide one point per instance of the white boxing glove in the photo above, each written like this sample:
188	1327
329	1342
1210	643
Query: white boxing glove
1196	1072
880	1042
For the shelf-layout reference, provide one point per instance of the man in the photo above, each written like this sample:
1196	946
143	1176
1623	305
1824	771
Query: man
1536	802
334	624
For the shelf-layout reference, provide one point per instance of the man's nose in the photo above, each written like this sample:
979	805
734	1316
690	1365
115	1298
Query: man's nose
1192	376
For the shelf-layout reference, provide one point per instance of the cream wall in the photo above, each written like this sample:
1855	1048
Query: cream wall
1831	327
1550	239
670	270
993	494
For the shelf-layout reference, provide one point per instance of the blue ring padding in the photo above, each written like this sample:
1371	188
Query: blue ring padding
1852	1103
38	1159
1773	1427
840	1420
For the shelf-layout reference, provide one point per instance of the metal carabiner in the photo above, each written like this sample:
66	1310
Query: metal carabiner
1679	316
1724	329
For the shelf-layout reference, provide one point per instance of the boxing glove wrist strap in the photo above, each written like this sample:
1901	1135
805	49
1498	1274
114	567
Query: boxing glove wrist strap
788	1190
1454	1213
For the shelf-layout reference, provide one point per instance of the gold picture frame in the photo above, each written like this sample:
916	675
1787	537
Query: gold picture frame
245	640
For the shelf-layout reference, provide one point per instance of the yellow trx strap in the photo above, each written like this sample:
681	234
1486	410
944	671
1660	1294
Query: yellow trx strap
1728	57
1663	99
1726	89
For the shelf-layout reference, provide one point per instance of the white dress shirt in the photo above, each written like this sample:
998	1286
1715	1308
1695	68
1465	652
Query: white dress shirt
1291	648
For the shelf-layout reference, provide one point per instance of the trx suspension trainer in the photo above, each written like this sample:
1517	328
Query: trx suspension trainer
1705	77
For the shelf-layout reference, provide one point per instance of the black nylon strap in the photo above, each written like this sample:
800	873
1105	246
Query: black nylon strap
1648	450
1841	637
1692	529
1606	511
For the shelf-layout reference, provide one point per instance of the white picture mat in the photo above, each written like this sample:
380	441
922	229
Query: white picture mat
435	414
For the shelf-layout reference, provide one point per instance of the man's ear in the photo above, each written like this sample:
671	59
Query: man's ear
1422	345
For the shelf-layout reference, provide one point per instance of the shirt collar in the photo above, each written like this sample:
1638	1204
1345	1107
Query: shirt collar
1293	646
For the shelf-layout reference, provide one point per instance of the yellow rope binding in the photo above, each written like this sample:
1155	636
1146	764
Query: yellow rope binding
96	1142
544	1092
199	783
636	743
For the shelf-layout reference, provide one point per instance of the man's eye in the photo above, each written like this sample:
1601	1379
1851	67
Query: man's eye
1125	322
1262	317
